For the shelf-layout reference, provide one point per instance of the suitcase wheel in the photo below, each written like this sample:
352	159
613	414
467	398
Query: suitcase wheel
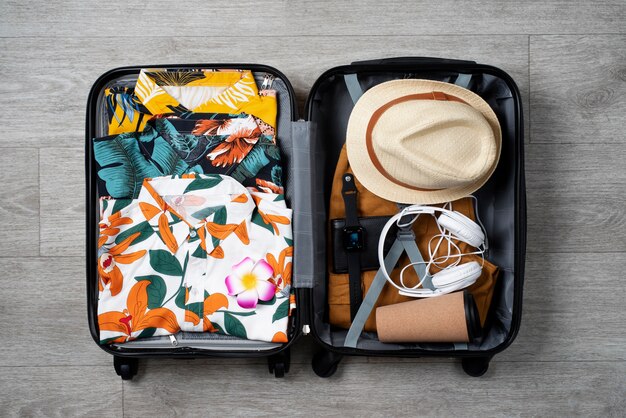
279	363
325	363
475	366
125	367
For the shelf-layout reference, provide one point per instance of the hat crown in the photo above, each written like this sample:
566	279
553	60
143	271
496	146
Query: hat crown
445	145
422	141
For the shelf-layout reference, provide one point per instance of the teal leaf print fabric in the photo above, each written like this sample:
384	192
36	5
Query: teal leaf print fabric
123	164
196	143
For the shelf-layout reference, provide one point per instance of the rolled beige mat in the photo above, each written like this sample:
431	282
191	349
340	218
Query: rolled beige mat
451	318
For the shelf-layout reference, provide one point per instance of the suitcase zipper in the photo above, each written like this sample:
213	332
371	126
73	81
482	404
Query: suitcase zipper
173	340
267	81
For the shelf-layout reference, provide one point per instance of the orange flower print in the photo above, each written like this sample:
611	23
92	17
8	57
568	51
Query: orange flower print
223	231
242	233
273	220
149	211
109	227
235	148
242	198
218	253
211	126
270	219
269	187
107	264
135	318
282	270
212	304
220	231
166	234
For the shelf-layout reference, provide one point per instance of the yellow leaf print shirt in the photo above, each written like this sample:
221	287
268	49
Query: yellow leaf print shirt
194	253
167	91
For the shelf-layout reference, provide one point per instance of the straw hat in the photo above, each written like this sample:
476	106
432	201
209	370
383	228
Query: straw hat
422	141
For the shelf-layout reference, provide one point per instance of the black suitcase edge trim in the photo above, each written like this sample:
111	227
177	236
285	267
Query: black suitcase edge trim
91	239
433	64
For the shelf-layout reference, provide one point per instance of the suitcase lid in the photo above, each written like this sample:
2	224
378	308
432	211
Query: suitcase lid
369	73
305	314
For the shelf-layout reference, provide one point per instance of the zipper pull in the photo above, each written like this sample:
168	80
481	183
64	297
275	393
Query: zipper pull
173	340
267	82
306	330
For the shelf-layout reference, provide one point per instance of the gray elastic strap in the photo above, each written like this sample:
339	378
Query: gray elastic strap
354	87
407	237
415	256
372	296
463	80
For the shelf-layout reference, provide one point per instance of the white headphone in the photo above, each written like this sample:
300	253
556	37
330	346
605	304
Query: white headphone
452	225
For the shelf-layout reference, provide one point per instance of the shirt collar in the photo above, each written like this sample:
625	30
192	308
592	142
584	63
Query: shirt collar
149	91
219	191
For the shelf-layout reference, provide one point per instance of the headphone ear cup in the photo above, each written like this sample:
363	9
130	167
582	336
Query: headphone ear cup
462	227
464	274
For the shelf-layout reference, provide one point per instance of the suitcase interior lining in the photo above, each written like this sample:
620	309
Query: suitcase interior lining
209	341
330	108
308	177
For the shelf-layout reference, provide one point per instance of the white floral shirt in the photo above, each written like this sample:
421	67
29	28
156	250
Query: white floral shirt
195	253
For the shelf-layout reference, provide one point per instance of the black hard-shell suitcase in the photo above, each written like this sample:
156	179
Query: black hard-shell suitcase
310	148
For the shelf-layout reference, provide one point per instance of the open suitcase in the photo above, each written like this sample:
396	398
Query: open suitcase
310	147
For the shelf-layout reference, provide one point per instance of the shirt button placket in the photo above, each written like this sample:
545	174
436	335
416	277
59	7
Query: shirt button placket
194	275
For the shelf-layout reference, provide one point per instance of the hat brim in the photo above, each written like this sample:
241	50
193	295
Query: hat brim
360	160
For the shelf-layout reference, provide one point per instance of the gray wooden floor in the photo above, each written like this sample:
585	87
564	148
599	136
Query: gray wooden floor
569	59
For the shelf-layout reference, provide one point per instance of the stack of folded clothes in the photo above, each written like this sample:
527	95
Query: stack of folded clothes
195	233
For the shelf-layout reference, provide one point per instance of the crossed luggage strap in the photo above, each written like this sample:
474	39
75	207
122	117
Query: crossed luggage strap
404	242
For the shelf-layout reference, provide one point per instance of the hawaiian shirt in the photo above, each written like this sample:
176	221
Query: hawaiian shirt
195	253
213	143
171	91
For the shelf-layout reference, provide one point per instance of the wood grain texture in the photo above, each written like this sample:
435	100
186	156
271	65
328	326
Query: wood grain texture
569	357
382	390
290	18
573	309
65	391
74	67
19	202
576	198
44	313
579	96
62	201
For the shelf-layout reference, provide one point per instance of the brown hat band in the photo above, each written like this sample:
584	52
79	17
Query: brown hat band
435	95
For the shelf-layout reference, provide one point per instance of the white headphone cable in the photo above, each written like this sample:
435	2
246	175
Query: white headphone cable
486	242
433	259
